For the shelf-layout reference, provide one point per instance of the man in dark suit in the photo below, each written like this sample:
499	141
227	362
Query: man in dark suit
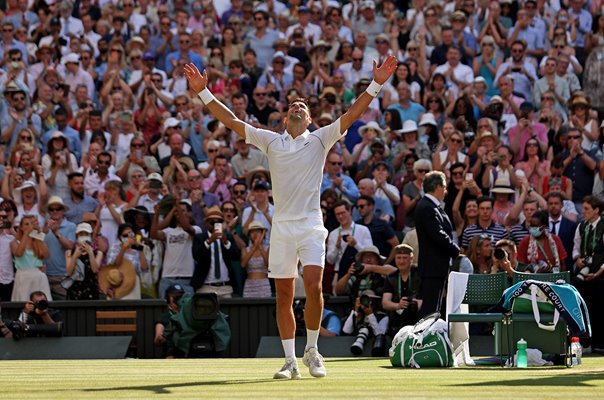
213	252
563	227
436	244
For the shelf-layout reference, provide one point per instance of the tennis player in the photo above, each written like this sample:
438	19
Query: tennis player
296	159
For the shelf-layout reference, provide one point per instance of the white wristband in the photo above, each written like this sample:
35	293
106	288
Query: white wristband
206	96
373	89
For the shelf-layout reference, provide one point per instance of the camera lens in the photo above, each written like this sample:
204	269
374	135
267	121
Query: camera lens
500	254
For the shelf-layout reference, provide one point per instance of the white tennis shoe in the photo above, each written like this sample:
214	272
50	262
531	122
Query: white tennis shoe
289	370
314	361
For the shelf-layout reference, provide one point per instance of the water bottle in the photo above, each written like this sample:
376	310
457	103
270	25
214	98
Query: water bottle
576	351
521	356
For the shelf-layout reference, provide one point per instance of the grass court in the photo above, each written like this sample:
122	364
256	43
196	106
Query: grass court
348	378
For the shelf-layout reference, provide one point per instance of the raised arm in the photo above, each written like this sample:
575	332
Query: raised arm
198	84
380	76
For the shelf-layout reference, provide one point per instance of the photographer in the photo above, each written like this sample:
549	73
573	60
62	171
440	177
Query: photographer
504	258
367	272
173	295
367	320
401	289
36	311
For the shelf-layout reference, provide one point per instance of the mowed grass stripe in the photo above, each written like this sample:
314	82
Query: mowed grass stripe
251	379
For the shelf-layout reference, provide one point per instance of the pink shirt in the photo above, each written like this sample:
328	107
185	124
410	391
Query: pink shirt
223	191
539	130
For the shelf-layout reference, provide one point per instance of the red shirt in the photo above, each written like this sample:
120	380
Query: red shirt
522	256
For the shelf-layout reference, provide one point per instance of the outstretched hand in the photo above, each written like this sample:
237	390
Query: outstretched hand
197	81
385	71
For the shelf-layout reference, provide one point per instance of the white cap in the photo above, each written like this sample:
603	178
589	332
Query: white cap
171	123
70	58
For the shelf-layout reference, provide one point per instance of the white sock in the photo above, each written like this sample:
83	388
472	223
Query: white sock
289	347
311	339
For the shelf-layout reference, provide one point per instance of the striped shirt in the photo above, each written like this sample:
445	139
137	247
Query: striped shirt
495	231
518	232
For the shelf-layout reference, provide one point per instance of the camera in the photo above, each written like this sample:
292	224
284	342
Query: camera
41	305
149	91
21	329
82	106
365	300
358	269
359	343
500	254
345	238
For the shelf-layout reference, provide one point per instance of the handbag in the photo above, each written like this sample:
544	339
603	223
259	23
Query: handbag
536	302
423	345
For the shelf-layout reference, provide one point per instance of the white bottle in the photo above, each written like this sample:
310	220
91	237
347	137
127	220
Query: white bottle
576	351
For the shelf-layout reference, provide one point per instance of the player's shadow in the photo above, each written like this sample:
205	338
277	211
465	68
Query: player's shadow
568	380
165	389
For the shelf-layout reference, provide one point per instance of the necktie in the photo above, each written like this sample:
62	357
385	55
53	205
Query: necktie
216	260
553	227
589	238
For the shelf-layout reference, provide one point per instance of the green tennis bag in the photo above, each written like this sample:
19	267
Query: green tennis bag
423	345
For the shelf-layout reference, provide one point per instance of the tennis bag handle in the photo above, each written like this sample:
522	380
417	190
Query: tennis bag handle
536	314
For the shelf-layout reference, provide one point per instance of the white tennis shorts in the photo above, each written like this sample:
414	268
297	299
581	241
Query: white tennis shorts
292	241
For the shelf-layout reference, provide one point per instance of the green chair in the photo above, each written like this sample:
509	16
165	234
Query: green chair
547	277
482	290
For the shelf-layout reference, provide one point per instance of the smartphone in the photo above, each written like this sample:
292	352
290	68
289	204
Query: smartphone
37	235
515	69
126	117
345	238
139	153
469	176
218	227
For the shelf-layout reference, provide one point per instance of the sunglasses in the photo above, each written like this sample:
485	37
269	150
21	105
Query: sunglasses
571	137
516	50
282	62
116	50
19	98
532	144
3	216
103	162
26	138
137	145
55	209
134	58
180	104
239	192
456	140
458	173
194	178
357	59
212	150
547	98
260	94
361	206
423	171
228	209
335	163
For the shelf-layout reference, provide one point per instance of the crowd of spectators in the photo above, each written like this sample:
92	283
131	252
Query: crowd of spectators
109	163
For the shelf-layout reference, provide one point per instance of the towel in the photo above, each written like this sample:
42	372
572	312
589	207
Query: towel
459	333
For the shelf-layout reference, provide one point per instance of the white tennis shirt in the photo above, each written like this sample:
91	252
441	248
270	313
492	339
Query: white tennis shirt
296	167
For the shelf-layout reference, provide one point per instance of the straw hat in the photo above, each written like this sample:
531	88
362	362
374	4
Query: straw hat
369	249
55	200
24	185
214	213
256	225
371	125
253	171
502	185
117	281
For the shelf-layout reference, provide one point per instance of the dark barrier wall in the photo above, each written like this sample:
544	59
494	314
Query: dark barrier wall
250	319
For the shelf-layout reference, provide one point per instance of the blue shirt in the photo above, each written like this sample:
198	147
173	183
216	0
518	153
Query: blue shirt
533	38
77	210
412	112
56	264
175	56
262	46
585	22
350	189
